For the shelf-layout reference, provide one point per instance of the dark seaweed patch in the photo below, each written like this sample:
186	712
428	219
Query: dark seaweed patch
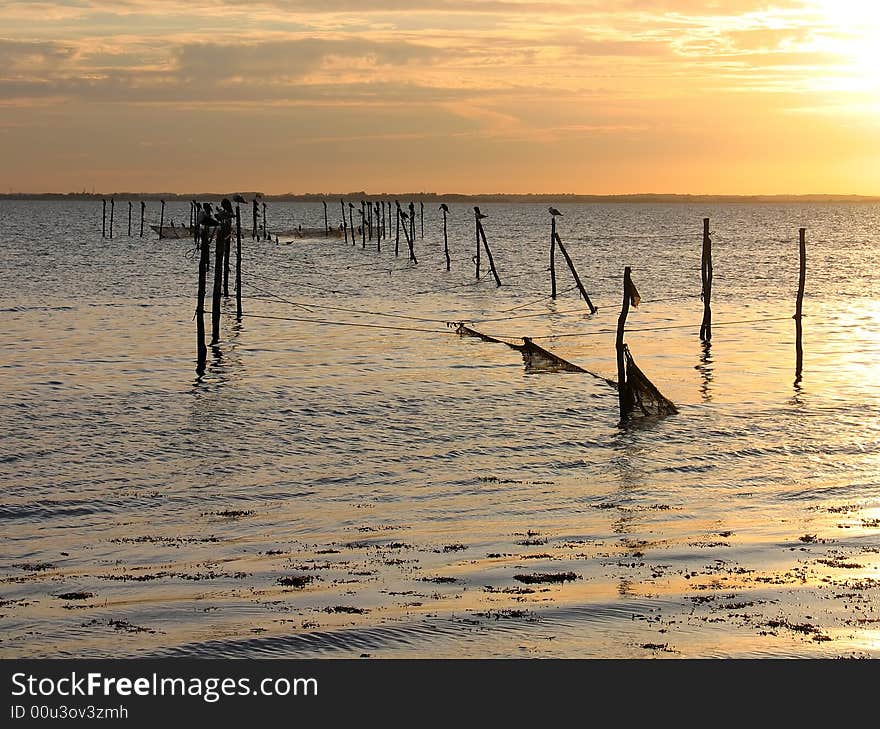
542	577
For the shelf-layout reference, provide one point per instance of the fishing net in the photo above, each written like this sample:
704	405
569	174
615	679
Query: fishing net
538	359
645	398
465	331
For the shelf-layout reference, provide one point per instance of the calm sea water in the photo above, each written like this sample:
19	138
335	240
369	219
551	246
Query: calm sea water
329	490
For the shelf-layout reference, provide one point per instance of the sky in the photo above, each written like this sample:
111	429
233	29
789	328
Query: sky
447	96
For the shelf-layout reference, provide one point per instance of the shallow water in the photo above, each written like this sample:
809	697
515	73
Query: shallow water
413	474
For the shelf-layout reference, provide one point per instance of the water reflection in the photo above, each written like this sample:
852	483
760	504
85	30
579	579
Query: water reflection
707	371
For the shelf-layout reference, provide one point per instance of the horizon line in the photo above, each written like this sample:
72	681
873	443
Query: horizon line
495	196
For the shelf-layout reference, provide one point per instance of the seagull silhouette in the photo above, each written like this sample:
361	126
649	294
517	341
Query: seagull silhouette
479	215
554	212
444	207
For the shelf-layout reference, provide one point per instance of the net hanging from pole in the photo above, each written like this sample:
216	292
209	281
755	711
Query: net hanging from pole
645	398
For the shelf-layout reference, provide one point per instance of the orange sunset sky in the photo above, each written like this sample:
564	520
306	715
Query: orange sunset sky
687	96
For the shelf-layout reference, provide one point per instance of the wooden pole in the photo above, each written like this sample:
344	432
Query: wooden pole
799	307
706	275
129	218
344	226
256	215
265	228
482	234
218	283
201	349
161	219
384	229
378	231
103	218
238	263
226	230
412	221
370	217
397	230
409	242
143	212
477	226
326	226
422	218
112	208
574	273
351	221
552	256
363	226
624	394
446	242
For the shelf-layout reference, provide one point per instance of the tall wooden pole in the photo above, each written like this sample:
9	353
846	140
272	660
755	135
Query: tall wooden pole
201	349
344	226
351	221
370	217
218	283
574	273
103	218
477	226
482	234
624	394
112	208
265	228
161	218
238	263
326	226
410	242
129	218
706	274
397	230
446	242
412	221
143	212
799	307
363	226
226	229
422	218
552	256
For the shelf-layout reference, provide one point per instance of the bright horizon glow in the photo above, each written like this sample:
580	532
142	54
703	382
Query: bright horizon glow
464	96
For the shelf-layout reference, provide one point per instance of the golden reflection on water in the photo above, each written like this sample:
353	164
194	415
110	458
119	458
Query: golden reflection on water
413	477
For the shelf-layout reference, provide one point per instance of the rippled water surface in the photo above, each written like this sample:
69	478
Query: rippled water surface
392	489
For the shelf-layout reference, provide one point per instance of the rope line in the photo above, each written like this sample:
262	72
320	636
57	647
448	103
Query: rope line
352	311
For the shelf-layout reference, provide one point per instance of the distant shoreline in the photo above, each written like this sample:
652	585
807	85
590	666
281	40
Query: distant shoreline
453	197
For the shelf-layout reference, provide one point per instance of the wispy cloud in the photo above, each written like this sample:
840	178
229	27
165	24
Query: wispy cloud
510	73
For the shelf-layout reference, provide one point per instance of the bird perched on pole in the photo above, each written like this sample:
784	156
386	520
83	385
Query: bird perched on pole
479	215
206	216
554	212
403	214
444	207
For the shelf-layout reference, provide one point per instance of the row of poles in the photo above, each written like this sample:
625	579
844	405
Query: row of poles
379	227
259	232
630	295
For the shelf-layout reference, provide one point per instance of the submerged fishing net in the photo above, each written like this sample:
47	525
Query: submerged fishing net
538	359
645	397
